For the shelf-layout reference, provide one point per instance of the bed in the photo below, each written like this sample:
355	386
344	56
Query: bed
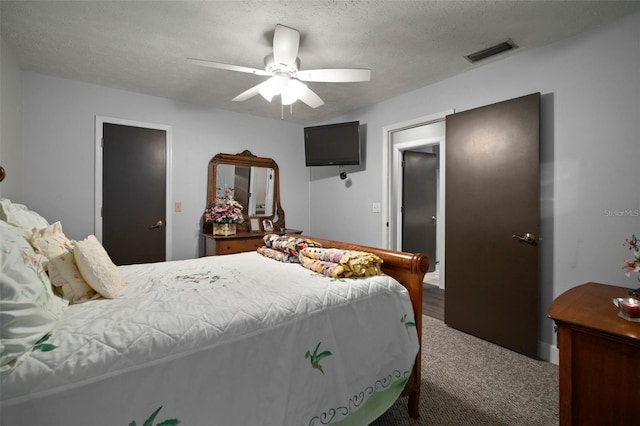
239	339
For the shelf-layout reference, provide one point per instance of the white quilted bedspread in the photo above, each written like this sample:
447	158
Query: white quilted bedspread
226	340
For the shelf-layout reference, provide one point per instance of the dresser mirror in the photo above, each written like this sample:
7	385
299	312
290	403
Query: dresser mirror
253	182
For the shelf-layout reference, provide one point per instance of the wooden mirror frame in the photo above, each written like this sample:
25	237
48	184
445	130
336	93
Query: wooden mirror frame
246	159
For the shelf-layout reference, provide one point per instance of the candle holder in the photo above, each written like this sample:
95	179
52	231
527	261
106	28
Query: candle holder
628	308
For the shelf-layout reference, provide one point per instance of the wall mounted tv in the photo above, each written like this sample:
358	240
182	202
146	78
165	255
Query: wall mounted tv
332	144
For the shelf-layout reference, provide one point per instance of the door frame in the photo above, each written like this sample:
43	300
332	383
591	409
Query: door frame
99	122
392	180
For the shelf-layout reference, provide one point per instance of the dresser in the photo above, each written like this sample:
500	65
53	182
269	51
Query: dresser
238	243
599	357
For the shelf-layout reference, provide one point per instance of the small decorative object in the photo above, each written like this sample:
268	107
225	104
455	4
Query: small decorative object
224	229
268	225
255	224
224	214
628	308
633	265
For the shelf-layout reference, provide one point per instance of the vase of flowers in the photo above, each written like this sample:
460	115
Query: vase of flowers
224	214
633	265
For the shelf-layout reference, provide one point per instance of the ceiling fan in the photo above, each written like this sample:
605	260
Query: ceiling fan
283	66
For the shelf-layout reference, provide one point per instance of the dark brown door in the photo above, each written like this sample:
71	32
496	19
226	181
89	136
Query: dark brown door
419	204
492	198
134	163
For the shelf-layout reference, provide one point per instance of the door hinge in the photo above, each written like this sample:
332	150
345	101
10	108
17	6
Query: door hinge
102	143
402	163
101	212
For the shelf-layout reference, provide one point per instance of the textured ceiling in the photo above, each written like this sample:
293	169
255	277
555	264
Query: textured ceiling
142	46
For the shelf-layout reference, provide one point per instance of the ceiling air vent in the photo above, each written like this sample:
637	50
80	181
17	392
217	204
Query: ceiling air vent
491	51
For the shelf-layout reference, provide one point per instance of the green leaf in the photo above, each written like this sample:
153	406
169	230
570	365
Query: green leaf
170	422
133	423
151	418
44	347
322	355
44	338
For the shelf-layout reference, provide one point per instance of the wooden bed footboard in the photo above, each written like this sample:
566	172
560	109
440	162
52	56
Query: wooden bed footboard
409	270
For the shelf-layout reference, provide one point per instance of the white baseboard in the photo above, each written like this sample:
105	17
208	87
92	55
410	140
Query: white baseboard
548	353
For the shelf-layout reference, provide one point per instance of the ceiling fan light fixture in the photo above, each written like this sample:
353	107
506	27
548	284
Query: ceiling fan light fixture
295	90
273	87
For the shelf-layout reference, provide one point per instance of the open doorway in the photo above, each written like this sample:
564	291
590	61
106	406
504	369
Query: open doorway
424	134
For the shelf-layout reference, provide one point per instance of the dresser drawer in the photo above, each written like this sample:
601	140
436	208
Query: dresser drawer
230	245
238	245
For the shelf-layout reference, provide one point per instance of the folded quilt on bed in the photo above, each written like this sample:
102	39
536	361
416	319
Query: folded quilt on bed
277	255
338	263
285	248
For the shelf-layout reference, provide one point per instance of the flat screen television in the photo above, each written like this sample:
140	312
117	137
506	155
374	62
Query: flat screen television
332	144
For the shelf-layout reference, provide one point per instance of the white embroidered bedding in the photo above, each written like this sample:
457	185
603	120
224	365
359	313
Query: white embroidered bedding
225	340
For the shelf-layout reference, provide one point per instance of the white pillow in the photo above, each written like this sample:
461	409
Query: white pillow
96	267
19	215
28	308
63	272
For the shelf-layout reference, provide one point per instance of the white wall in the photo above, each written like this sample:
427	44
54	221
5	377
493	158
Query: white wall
590	153
58	164
10	122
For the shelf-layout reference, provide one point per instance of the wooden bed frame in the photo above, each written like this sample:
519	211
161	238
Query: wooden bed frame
409	270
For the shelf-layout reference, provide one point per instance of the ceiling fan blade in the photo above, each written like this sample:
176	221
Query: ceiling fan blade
229	67
310	98
286	42
250	93
336	75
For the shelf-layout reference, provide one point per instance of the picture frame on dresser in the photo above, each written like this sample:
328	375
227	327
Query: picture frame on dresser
254	224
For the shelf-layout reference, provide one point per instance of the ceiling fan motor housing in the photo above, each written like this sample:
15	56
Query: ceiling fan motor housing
270	65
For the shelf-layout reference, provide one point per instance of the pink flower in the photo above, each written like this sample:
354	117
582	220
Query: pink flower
630	266
225	209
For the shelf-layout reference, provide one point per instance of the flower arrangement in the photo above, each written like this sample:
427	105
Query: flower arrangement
632	265
225	210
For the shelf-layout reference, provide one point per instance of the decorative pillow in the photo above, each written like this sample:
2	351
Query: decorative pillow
61	265
64	274
28	308
50	241
20	216
288	244
97	269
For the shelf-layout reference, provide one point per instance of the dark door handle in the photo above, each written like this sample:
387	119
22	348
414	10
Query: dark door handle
158	225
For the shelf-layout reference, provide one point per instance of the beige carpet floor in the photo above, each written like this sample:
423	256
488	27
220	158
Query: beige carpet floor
468	381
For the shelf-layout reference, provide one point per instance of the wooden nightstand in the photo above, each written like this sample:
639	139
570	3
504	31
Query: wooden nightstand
599	357
238	243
